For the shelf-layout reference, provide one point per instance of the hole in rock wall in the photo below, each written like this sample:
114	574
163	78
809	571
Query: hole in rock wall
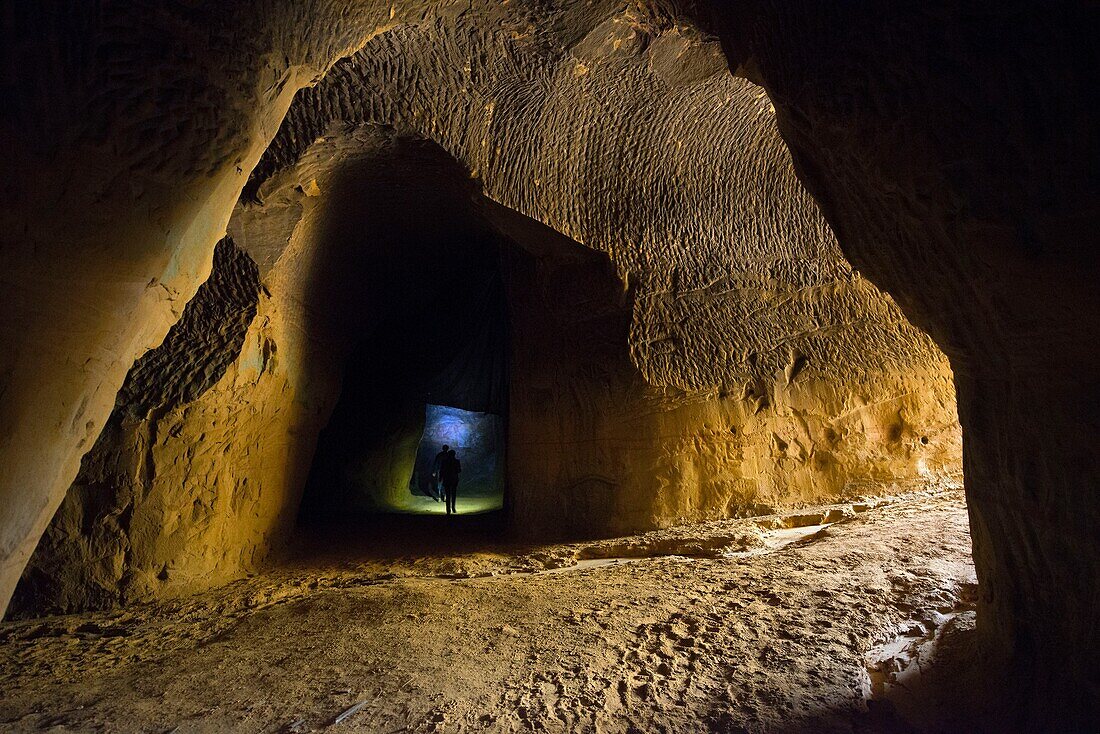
433	371
366	327
478	442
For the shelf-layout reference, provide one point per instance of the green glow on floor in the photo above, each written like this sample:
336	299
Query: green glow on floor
418	505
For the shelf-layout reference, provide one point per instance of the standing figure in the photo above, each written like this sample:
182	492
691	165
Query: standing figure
449	469
437	481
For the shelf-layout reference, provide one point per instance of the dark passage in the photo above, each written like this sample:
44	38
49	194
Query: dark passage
432	371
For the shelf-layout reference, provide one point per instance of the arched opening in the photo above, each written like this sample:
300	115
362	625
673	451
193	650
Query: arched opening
431	370
606	434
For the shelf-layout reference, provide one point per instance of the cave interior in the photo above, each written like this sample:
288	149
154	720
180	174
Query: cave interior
765	334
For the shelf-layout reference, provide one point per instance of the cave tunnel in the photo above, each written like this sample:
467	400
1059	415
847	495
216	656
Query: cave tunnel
765	334
431	369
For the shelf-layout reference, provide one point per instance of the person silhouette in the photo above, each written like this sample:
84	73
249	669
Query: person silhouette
437	482
449	469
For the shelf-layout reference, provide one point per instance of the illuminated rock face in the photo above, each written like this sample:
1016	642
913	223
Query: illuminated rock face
723	332
597	447
185	487
739	361
131	132
707	355
951	151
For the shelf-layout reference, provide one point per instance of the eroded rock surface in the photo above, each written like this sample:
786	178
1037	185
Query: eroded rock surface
951	148
746	363
98	546
130	135
470	639
709	354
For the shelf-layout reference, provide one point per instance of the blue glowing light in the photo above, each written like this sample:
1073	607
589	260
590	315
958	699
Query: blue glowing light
477	440
452	426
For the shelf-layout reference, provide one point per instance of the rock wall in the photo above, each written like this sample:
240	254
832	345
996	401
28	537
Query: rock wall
206	486
737	362
131	130
597	448
192	481
952	147
743	314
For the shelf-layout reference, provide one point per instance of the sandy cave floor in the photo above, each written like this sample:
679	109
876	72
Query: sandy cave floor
738	625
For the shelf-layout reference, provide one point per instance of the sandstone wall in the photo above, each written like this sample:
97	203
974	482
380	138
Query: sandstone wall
184	493
193	481
597	448
742	313
131	130
711	354
952	147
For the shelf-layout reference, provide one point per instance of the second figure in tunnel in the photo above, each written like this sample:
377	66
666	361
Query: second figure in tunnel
437	480
449	469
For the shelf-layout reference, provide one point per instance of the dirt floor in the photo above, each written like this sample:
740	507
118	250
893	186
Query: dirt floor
810	622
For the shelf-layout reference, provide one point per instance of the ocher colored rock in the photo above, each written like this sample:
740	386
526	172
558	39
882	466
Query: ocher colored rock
712	355
951	148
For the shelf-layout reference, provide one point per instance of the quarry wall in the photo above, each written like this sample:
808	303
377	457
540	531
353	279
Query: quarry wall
687	342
